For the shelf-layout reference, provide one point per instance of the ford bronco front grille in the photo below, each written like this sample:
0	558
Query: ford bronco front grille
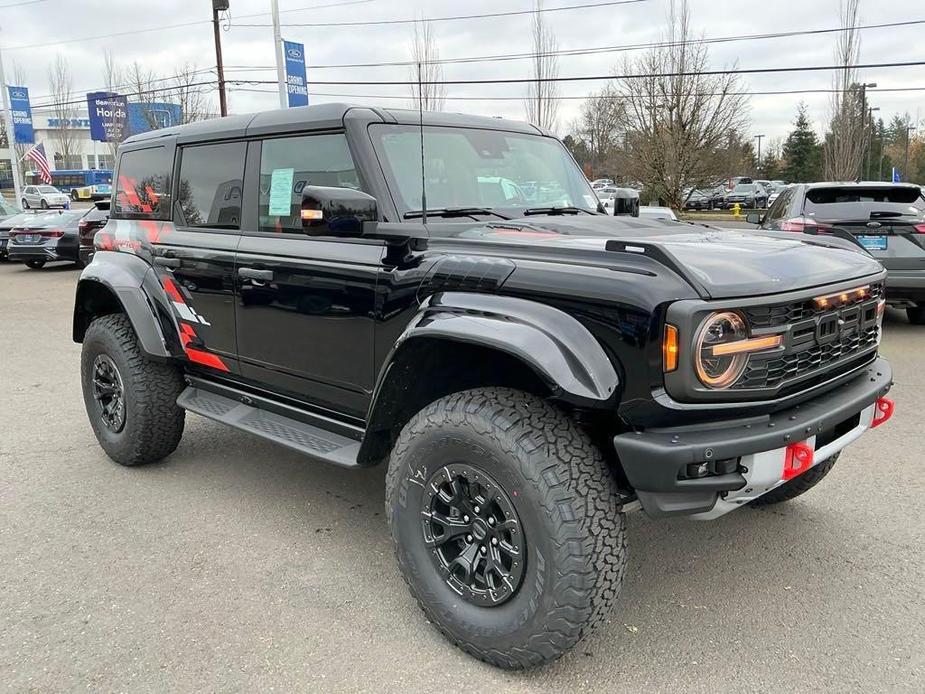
818	341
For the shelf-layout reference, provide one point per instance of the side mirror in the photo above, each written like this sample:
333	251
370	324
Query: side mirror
336	211
753	218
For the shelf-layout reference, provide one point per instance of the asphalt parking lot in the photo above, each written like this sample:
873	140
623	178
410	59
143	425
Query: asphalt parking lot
236	566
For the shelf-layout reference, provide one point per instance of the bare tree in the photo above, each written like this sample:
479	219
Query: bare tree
541	103
676	116
143	83
600	130
426	69
844	143
114	77
188	94
64	107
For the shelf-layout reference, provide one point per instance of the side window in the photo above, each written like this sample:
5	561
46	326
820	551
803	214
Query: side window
779	209
143	185
210	184
289	164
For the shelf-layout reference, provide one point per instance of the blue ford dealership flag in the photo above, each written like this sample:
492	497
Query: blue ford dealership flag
296	84
108	113
22	115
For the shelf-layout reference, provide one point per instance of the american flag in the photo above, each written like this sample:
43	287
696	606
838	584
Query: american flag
37	155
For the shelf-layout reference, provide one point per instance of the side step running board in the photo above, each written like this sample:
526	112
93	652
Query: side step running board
312	441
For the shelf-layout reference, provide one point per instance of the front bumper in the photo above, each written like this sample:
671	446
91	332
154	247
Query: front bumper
655	460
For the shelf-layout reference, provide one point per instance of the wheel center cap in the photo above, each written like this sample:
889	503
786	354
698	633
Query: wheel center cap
479	529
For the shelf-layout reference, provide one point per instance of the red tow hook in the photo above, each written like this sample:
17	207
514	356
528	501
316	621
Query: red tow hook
885	409
799	459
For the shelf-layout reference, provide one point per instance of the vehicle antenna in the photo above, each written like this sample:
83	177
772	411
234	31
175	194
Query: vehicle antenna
421	128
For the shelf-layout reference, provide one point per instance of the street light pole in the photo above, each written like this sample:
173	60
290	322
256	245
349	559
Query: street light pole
864	107
869	139
10	135
278	46
909	129
759	138
219	6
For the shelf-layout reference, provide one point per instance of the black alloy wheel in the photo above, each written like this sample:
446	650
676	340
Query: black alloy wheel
474	533
109	393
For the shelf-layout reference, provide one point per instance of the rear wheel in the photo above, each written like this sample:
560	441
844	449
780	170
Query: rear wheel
74	196
131	401
507	525
916	314
25	204
44	204
798	485
35	264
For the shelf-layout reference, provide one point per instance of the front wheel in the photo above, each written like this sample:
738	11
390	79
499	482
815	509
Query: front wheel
507	525
131	401
916	314
798	485
44	204
35	264
74	196
25	204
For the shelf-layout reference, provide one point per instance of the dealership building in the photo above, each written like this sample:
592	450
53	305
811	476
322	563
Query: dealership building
85	152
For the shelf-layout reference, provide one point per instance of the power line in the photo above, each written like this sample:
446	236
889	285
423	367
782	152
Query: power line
598	49
383	22
167	27
20	4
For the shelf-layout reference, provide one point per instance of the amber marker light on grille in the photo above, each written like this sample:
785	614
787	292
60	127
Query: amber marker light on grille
755	344
670	348
844	297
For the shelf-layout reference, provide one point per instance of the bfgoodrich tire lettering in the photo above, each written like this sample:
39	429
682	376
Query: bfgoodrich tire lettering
798	485
569	510
153	423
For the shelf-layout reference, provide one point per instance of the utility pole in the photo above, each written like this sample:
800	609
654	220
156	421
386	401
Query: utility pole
10	135
870	140
864	107
759	138
909	129
219	6
880	170
280	65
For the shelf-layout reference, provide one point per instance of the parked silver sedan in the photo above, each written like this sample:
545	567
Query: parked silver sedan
43	197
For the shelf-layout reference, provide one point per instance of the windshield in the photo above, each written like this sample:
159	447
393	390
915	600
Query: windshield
47	189
859	203
745	189
480	169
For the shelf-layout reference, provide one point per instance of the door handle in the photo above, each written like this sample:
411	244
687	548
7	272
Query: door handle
168	262
250	273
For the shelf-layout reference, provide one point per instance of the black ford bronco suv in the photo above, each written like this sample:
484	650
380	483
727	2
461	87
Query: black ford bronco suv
528	367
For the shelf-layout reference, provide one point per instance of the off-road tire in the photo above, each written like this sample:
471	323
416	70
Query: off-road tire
569	509
35	264
153	421
916	314
798	485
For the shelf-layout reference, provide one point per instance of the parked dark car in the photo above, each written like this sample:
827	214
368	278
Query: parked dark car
527	371
94	220
45	237
705	198
747	195
8	214
888	219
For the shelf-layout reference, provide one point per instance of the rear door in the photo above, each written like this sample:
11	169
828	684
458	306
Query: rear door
305	314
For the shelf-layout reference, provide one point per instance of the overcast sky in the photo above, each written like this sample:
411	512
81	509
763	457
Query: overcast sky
24	23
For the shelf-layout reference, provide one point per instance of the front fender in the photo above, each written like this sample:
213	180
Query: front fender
552	343
122	282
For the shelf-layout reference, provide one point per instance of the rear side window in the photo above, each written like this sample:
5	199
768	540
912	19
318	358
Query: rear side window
210	184
289	164
143	185
858	202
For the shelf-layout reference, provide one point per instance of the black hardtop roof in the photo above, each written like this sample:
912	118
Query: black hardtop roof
320	117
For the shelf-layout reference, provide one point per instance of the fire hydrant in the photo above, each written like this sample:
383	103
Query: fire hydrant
737	210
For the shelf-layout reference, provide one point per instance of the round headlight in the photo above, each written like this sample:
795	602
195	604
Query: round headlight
719	370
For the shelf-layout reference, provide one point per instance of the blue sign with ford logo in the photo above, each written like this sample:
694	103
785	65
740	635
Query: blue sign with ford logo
296	83
21	111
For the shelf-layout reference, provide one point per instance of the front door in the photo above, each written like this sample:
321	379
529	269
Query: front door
305	303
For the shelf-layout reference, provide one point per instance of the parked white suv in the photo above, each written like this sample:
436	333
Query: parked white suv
44	197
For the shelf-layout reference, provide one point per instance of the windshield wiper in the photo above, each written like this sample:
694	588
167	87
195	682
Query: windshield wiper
447	212
567	209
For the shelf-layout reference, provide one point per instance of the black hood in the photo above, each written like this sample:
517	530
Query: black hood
719	263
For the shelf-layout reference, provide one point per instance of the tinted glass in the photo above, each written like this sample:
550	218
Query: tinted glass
858	202
745	189
466	167
143	186
210	185
48	189
779	209
293	163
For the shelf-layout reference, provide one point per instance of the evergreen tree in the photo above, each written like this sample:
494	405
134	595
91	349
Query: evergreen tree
802	152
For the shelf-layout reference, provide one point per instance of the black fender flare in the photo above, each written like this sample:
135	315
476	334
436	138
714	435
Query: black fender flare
123	282
554	345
